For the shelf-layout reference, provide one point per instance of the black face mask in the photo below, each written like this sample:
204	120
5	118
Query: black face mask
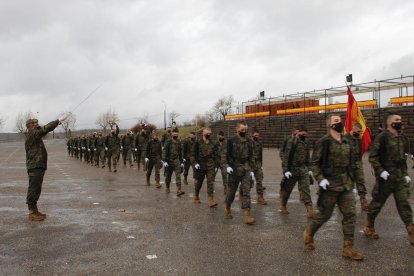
207	136
255	138
397	126
302	137
242	133
221	139
356	134
155	139
338	127
175	137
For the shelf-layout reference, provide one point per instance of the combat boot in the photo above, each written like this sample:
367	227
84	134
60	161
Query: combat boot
369	230
35	216
39	213
247	219
261	200
227	212
197	198
410	230
157	185
148	181
308	238
180	192
211	202
283	209
349	252
185	180
309	210
364	203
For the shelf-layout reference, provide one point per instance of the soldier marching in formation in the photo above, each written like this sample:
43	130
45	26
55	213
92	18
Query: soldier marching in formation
336	165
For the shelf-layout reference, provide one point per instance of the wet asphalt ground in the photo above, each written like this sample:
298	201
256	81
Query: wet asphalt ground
159	234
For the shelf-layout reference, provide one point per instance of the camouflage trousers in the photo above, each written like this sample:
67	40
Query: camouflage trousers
187	166
289	184
173	167
154	164
35	186
113	157
233	182
200	175
358	179
223	170
258	174
127	155
140	157
346	205
100	156
383	189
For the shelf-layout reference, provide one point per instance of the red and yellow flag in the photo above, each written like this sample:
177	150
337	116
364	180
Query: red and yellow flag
354	115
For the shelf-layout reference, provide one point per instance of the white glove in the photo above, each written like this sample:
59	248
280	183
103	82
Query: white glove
252	176
146	160
184	160
197	166
106	148
384	175
122	147
63	116
324	184
288	174
407	179
89	149
412	156
165	164
310	173
182	165
229	170
94	149
83	148
136	149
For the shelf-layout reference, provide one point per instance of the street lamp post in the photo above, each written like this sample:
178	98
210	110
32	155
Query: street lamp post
165	115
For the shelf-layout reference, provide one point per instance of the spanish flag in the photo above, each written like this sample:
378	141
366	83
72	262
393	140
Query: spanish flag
354	115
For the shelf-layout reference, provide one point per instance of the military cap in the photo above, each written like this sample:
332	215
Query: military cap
31	121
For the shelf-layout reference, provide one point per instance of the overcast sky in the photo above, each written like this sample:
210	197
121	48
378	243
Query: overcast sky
189	53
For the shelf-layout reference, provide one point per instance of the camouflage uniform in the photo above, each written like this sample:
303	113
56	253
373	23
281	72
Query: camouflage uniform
221	147
257	167
82	148
172	154
165	138
356	164
113	144
77	147
127	144
36	161
140	143
100	151
68	143
299	170
205	154
187	147
282	156
340	186
154	155
91	147
239	156
390	158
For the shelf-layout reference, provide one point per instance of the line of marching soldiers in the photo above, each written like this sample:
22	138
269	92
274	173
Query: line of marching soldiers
335	164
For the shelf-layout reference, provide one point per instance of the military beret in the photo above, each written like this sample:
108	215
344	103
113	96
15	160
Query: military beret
31	121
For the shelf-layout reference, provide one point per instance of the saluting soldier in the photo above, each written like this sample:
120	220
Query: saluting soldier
36	162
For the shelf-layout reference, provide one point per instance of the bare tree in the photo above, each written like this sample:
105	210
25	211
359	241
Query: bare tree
68	124
201	120
21	119
172	116
2	120
107	119
221	108
143	118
